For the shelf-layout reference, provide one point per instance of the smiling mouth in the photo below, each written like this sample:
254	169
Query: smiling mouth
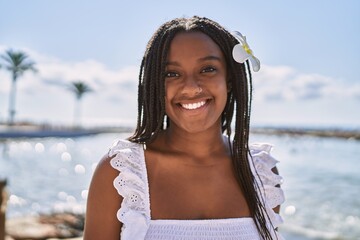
193	106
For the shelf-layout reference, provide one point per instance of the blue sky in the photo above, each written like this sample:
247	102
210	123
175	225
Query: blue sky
309	51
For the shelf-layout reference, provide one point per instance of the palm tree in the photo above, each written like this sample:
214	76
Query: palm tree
79	88
17	63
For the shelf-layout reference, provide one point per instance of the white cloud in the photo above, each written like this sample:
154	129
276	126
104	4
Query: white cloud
285	96
45	93
280	92
58	72
278	83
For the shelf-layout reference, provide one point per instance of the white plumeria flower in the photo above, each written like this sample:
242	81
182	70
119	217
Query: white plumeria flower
242	51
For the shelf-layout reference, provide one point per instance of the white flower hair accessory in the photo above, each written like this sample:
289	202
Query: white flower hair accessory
242	52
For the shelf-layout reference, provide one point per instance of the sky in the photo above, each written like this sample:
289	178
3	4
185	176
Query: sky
309	52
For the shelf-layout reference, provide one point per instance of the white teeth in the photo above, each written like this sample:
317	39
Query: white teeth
192	106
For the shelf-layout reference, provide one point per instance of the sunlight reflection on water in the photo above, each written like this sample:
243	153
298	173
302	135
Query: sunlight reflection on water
321	179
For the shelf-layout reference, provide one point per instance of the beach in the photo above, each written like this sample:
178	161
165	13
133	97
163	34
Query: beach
47	175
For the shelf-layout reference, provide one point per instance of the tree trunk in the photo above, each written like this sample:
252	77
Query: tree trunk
3	200
77	113
12	98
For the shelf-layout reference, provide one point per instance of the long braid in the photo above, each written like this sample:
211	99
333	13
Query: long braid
140	116
152	105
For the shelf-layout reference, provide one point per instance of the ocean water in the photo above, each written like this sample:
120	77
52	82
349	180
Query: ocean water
321	179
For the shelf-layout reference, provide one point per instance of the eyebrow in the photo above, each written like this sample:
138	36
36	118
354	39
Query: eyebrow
207	58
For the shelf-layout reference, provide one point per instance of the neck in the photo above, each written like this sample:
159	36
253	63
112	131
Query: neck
201	144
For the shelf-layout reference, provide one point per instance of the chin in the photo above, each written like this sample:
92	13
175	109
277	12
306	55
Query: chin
194	128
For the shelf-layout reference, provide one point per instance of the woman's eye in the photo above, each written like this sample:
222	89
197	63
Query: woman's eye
208	70
171	74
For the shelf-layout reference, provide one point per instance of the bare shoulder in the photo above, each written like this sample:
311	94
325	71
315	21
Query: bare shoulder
103	203
104	172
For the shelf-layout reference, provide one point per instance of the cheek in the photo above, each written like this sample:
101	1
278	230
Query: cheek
222	86
170	92
223	90
167	102
168	96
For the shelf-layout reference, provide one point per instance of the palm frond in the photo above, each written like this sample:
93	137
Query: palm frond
79	88
17	62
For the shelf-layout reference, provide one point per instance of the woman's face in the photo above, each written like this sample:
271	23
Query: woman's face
195	82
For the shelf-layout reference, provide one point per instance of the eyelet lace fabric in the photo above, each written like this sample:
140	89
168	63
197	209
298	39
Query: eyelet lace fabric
267	180
132	184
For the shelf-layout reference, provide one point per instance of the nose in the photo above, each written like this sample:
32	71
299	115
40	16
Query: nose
191	86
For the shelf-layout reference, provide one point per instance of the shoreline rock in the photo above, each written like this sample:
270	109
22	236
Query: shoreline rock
51	226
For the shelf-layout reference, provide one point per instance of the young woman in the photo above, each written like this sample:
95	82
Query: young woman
185	174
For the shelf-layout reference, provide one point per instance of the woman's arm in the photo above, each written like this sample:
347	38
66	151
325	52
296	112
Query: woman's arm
102	204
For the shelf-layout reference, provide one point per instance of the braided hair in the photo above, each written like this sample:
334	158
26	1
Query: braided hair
151	106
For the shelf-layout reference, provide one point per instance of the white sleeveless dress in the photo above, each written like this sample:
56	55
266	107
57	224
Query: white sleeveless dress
134	213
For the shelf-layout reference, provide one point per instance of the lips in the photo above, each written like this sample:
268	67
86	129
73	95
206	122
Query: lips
193	106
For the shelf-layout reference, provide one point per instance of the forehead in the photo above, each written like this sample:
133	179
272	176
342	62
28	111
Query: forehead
194	43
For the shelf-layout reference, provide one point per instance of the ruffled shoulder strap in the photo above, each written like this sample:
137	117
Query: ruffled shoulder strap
132	184
263	163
